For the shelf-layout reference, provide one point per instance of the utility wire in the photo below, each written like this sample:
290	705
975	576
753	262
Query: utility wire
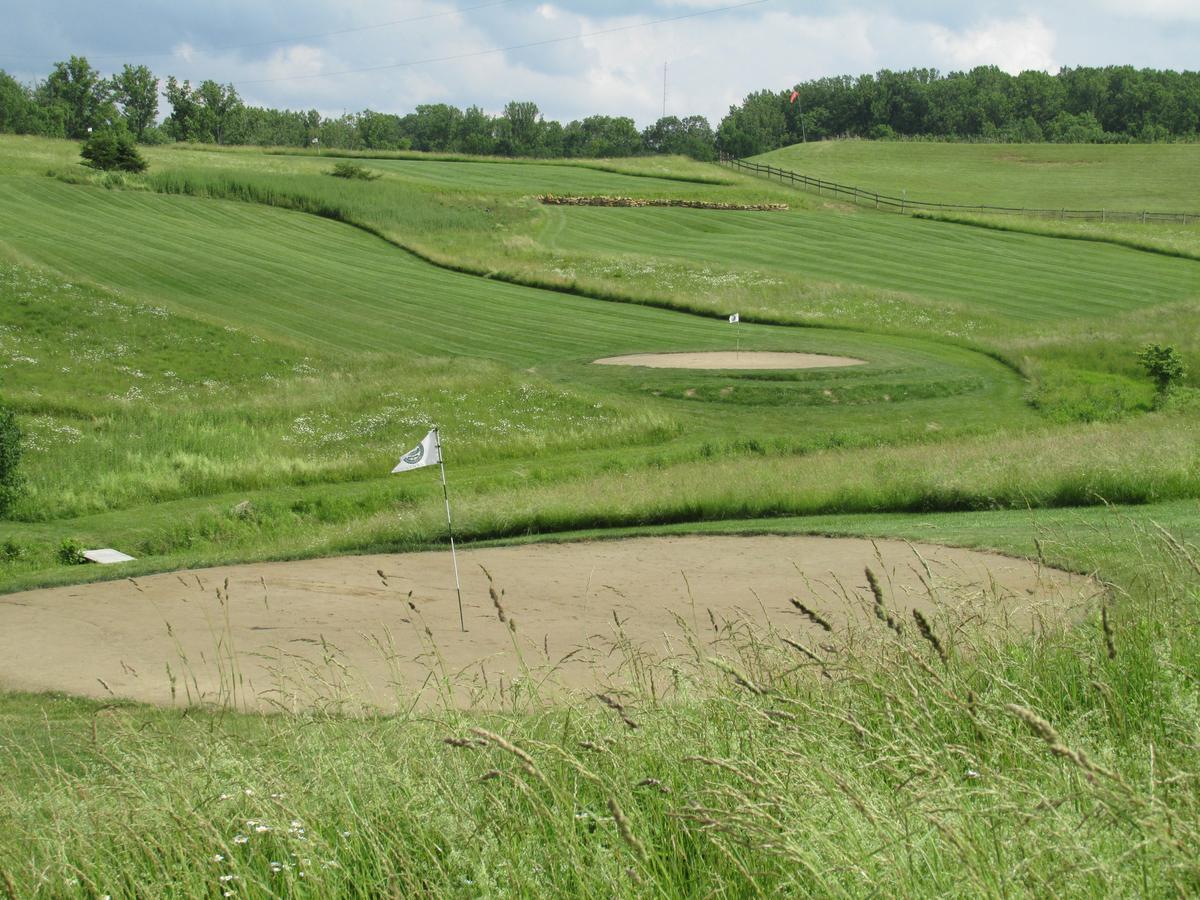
491	50
297	38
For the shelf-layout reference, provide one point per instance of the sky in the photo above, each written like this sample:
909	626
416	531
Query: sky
390	55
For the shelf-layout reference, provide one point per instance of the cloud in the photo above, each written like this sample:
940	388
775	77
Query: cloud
713	60
1013	45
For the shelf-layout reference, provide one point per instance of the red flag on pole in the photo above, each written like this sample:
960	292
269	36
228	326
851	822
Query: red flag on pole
795	96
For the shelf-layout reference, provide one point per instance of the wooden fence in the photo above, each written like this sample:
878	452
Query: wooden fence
906	205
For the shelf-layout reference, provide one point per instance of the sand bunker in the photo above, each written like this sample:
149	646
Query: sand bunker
299	634
731	359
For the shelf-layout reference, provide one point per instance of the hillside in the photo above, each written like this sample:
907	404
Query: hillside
1131	177
220	361
330	345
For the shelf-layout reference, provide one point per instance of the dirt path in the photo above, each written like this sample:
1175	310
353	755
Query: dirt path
730	359
298	634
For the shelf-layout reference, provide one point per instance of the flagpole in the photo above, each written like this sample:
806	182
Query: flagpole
437	436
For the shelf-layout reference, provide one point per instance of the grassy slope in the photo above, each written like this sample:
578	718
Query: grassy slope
1076	176
313	290
1016	278
935	784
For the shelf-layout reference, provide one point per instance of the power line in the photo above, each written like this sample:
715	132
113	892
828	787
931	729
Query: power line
491	50
297	38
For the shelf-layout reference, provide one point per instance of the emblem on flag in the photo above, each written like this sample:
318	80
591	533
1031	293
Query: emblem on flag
734	319
425	453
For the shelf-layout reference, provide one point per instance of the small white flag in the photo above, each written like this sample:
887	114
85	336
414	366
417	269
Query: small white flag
734	319
426	453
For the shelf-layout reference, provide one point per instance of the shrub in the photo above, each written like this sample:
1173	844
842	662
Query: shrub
70	553
10	458
352	170
10	551
112	149
1165	366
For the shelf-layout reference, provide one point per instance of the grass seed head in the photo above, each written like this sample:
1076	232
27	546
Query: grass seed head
811	615
625	830
881	611
926	630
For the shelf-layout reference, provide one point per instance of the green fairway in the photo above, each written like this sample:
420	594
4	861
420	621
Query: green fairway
324	299
1130	177
1014	277
328	286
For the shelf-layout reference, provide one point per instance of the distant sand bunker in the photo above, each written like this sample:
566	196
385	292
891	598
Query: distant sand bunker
729	359
272	630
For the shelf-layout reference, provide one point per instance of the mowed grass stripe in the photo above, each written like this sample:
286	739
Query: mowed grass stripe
1037	278
1080	176
1025	276
334	288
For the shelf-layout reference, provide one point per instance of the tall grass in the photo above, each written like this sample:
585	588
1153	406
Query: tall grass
1077	466
756	760
1182	241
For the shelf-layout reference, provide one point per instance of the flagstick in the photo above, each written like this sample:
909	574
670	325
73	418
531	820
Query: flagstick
437	436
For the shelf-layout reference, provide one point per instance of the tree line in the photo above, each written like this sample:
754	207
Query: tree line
1079	105
1113	104
75	98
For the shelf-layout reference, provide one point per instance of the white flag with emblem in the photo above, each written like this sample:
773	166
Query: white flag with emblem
425	453
734	319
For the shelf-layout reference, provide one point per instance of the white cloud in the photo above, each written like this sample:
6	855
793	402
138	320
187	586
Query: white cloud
1013	45
296	61
714	60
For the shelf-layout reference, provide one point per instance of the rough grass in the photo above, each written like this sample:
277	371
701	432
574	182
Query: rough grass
1169	239
1069	467
754	761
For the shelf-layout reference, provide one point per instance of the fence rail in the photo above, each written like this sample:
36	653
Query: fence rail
904	205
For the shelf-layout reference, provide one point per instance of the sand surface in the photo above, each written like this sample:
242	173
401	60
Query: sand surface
303	634
730	359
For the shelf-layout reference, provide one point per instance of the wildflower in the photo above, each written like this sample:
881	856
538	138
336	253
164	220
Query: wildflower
217	857
225	878
261	828
240	839
971	773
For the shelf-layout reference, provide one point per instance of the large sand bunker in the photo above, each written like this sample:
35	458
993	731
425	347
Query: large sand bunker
732	359
298	634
